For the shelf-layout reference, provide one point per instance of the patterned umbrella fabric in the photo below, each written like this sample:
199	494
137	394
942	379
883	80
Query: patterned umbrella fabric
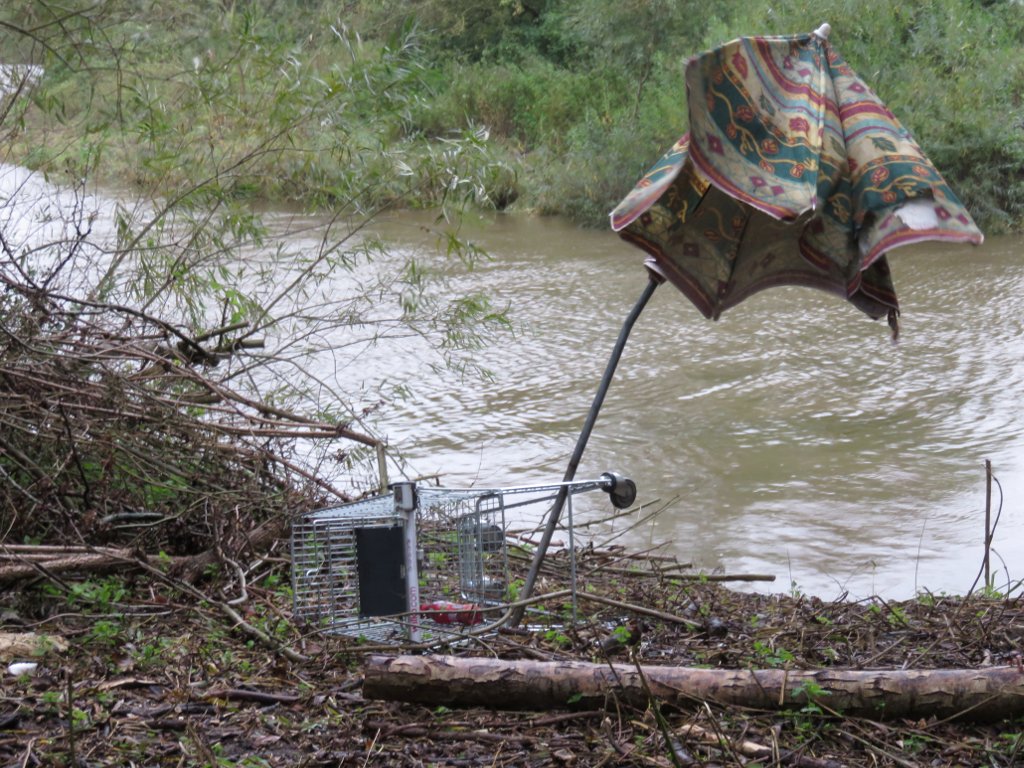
793	173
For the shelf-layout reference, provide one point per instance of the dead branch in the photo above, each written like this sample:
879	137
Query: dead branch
33	566
974	694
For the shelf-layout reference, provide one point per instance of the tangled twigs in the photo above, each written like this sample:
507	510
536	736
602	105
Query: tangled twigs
21	562
118	428
224	608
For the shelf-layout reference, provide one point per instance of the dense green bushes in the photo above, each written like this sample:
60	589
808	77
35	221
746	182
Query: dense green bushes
578	97
591	91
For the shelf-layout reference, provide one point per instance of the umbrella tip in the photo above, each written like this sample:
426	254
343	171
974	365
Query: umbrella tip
823	31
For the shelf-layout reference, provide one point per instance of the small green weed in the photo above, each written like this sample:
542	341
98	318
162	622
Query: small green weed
515	589
810	691
897	617
100	596
772	657
558	638
104	633
913	744
622	635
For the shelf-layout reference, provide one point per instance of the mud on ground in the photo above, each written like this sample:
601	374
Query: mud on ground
154	676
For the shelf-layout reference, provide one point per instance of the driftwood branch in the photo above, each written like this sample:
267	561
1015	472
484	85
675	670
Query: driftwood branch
25	565
976	694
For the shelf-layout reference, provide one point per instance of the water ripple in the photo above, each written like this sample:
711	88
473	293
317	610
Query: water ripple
794	437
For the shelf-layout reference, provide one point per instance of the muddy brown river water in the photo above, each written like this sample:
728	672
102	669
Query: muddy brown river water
791	437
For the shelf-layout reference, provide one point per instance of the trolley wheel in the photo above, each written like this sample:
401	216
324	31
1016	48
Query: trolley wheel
621	490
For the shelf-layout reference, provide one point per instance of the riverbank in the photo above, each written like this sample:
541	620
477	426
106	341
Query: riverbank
556	109
155	677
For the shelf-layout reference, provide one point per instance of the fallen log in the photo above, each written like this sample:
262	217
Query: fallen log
973	694
22	566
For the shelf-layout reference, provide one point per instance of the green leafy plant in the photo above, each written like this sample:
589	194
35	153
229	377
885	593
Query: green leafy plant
810	691
97	596
515	589
622	635
558	638
897	616
772	656
104	633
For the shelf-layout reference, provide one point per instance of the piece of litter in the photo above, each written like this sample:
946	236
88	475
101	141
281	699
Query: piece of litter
19	668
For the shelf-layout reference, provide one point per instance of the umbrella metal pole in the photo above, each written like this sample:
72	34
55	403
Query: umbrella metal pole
581	443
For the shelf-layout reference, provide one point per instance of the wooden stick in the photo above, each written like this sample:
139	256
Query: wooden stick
973	694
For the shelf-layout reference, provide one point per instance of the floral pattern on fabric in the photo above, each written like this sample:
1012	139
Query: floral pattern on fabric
792	172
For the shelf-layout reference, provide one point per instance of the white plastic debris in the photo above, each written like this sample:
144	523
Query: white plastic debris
19	668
